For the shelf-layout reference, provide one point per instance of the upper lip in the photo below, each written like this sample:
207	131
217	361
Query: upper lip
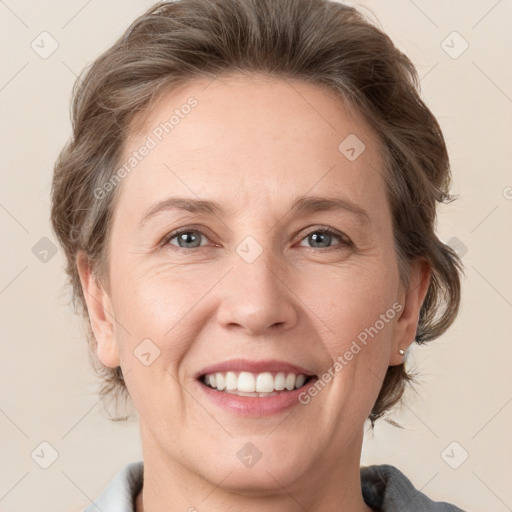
267	365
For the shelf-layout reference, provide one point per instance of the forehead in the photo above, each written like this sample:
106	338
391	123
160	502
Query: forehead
257	138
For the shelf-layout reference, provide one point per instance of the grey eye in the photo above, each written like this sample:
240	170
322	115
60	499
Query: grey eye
189	239
323	238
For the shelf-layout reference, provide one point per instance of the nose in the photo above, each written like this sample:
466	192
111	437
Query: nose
258	296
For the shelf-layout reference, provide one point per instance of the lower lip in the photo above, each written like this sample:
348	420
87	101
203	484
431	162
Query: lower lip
255	406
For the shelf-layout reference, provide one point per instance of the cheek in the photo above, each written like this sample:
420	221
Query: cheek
155	298
359	351
354	305
156	305
155	310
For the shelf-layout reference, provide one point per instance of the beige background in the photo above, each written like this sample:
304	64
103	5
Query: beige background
47	387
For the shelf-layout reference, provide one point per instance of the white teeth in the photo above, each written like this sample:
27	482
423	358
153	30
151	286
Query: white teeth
290	381
250	384
264	383
240	393
280	381
221	381
231	381
299	381
246	382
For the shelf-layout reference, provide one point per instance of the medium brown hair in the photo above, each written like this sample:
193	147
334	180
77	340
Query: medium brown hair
317	41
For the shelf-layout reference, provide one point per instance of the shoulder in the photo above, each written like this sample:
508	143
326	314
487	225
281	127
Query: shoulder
387	489
119	494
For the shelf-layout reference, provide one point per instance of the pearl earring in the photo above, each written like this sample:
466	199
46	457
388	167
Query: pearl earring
402	352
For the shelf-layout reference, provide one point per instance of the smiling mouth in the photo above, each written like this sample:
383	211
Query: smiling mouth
255	384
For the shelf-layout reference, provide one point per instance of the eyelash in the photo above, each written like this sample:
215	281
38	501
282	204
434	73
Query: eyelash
344	240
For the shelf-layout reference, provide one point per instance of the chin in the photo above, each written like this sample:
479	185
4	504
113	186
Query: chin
257	465
262	479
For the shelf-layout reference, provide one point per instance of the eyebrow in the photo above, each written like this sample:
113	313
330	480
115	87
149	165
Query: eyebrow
301	205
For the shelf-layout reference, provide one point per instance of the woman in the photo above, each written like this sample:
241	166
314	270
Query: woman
247	208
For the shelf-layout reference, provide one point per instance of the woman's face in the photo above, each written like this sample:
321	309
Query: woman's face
254	287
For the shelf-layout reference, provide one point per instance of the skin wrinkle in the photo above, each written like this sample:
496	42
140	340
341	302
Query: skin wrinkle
215	306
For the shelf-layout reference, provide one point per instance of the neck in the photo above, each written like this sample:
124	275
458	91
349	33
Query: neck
169	487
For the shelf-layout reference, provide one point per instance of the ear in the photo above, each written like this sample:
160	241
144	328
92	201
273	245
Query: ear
411	300
100	311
